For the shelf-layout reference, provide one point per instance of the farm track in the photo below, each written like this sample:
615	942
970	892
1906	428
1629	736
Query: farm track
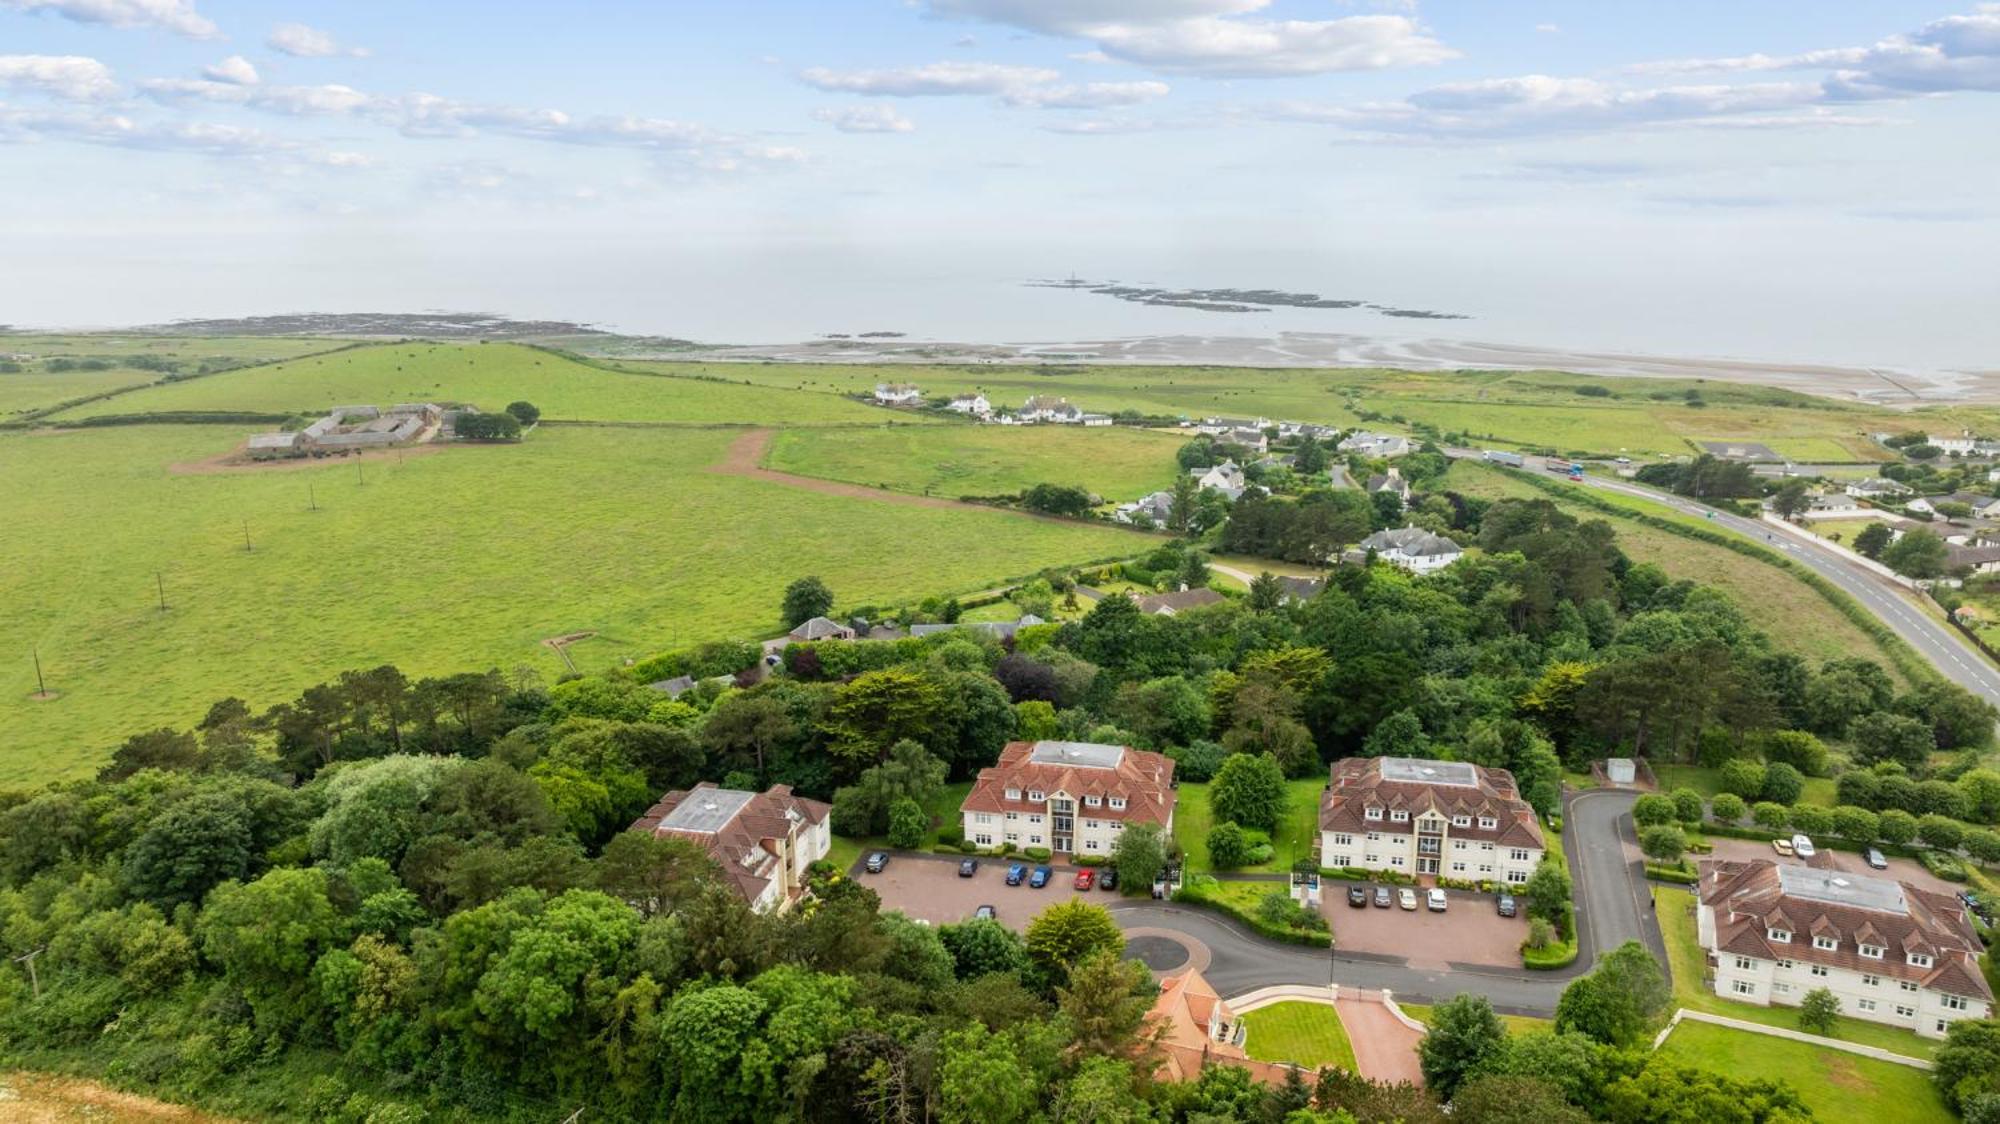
745	457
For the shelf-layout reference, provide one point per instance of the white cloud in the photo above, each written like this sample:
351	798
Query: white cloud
1211	38
235	70
177	16
65	76
938	79
866	119
295	101
120	131
1548	29
1101	127
1089	95
304	42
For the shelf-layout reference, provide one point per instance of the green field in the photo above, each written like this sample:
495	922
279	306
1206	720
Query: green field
490	376
1296	838
1306	1034
1839	1087
34	389
1689	962
1791	612
463	558
984	460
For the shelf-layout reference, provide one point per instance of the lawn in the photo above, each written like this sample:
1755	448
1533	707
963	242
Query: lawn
1305	1034
1689	962
1791	612
465	558
1516	1024
944	813
34	389
490	376
1118	463
1296	838
1708	782
1839	1087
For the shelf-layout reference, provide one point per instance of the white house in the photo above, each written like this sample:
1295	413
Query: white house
1049	408
1413	549
1881	487
1890	952
897	394
1979	504
1391	482
763	841
1374	444
1958	446
973	404
1217	427
1152	509
1421	817
1096	421
1225	477
1836	505
1073	798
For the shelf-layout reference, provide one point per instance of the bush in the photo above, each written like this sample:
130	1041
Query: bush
1092	860
1818	1010
952	834
1663	843
1800	750
1810	818
1682	874
907	823
1197	761
1770	815
1782	783
1228	846
1541	934
1947	867
1035	854
1687	805
1727	807
1744	779
1653	809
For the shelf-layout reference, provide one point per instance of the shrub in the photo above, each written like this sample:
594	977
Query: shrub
1857	824
1228	846
1810	818
1944	866
1743	778
1782	783
1663	843
1941	831
1896	826
1541	934
1727	807
907	823
1687	805
1035	854
952	834
1818	1010
1653	809
1800	750
1197	760
1770	814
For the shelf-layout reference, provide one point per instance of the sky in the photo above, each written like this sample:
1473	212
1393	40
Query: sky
1829	170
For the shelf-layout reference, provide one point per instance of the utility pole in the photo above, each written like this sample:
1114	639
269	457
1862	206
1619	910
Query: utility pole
246	537
358	478
160	584
312	501
36	982
41	688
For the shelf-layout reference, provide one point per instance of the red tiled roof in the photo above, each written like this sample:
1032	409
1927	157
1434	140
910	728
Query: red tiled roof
753	833
1356	783
1142	778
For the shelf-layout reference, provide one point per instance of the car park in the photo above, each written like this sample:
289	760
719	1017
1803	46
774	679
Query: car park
1015	874
1108	879
986	913
1507	906
1381	897
1802	846
1875	859
1407	898
1783	847
1085	879
1435	900
877	860
1039	878
1357	895
968	867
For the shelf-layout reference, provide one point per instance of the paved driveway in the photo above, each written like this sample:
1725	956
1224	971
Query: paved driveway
1847	862
928	888
1613	902
1470	931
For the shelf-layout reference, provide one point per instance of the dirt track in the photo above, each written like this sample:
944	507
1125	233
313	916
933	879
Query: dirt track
232	462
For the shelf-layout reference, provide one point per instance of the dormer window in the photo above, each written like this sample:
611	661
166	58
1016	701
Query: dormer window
1461	821
1013	794
1872	951
1488	823
1919	960
1399	816
1092	801
1372	814
1036	796
1825	944
1781	936
1118	803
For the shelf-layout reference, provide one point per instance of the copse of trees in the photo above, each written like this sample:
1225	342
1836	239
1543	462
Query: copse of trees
502	426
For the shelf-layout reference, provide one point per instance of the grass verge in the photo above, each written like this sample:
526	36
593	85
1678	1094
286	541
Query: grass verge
1839	1087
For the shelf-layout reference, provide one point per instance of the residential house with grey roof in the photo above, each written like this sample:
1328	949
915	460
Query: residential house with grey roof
1427	818
763	841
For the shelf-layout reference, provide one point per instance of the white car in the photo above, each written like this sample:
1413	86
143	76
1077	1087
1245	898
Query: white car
1802	846
1407	898
1436	900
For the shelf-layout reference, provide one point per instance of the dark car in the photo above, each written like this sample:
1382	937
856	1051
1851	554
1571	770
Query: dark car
1357	896
1507	906
968	867
1875	859
1107	879
986	913
876	861
1040	878
1015	873
1382	898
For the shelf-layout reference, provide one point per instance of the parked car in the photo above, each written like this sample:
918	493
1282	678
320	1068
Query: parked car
1107	879
1381	897
1507	906
1085	879
876	861
1783	847
1040	878
1407	898
1357	895
1875	859
1435	900
968	867
1802	846
1015	873
986	913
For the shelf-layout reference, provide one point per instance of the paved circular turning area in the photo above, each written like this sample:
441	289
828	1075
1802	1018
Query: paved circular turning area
1165	951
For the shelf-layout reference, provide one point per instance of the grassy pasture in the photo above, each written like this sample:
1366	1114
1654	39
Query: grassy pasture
460	558
1839	1087
35	389
489	375
188	349
983	460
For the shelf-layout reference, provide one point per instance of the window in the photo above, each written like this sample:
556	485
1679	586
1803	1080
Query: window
1461	821
1487	847
1786	965
1872	951
1819	970
1013	837
1118	803
1399	816
1512	875
1458	868
1745	964
1459	844
1090	844
1090	823
1518	854
1372	814
1743	987
984	817
1827	944
1951	1003
983	839
1013	794
1943	1025
1919	960
1034	839
1782	936
1338	860
1864	1004
1909	985
1374	837
1903	1012
1488	823
1781	989
1871	981
1395	860
1035	818
1036	796
1343	841
1012	816
1092	801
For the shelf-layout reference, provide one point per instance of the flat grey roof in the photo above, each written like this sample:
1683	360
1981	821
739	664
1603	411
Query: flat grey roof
1419	770
1087	754
1843	889
706	810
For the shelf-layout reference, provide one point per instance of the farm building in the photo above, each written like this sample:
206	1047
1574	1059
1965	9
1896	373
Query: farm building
349	427
1049	408
974	404
898	393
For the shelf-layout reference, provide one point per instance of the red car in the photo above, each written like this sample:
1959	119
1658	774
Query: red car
1085	879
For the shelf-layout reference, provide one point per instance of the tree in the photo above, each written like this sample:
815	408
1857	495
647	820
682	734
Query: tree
487	427
806	598
1743	778
1105	1000
1818	1011
1791	499
1499	1099
1871	539
1249	790
1066	932
1464	1035
1547	891
1968	1064
1618	1000
1857	825
1688	807
1896	826
1139	854
184	852
1266	592
1058	499
1663	843
157	749
1918	554
1769	814
980	947
1942	832
1782	783
1799	749
1228	847
1979	790
1653	809
908	824
524	412
266	936
1884	736
1727	807
1812	819
880	708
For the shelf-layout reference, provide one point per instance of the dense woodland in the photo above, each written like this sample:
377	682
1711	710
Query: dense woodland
390	900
